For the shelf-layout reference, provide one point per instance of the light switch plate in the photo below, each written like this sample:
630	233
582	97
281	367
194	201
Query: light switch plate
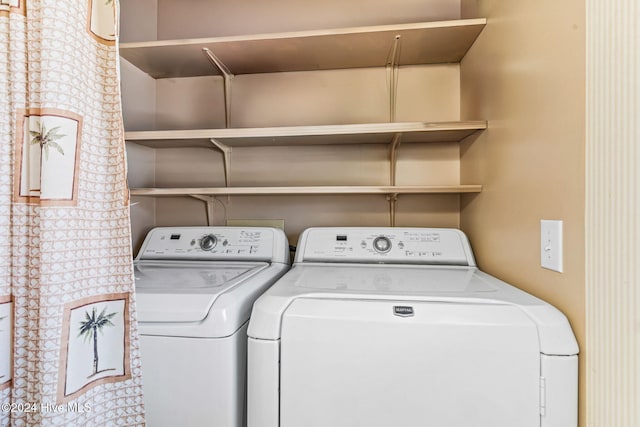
551	244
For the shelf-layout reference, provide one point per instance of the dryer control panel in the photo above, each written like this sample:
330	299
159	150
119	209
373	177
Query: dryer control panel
215	243
437	246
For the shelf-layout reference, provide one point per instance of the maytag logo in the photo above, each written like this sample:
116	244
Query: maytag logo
403	310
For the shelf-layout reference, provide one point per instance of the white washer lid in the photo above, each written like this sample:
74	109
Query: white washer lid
384	282
185	291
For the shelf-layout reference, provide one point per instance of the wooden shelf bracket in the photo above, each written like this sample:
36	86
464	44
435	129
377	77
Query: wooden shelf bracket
393	160
227	77
393	61
226	159
208	200
393	200
393	157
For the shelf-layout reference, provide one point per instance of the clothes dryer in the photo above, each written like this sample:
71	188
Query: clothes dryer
374	327
195	287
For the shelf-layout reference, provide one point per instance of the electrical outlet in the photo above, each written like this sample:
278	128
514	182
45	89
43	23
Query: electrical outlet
551	245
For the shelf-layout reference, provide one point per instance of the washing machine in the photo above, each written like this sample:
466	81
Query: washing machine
195	287
378	327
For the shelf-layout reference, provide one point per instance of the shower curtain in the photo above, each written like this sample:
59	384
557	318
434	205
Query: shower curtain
69	353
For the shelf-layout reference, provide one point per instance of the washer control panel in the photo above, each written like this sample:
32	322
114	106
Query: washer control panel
438	246
210	243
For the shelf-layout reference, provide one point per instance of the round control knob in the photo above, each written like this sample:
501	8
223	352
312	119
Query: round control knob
208	242
382	244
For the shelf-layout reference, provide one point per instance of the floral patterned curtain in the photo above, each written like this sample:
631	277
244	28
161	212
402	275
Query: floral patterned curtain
69	353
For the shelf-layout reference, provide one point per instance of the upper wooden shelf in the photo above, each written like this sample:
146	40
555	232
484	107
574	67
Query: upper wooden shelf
357	47
371	133
266	191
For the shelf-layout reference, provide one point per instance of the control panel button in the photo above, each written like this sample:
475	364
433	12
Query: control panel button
208	242
382	244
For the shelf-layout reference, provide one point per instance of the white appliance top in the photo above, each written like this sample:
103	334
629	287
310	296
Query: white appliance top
399	276
203	280
186	291
426	246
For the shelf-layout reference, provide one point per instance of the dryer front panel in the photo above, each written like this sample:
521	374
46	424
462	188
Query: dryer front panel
347	363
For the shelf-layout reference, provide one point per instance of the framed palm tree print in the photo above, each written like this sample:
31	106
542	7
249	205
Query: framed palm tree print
47	150
95	344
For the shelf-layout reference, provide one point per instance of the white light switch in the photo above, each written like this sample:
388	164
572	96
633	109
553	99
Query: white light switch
551	245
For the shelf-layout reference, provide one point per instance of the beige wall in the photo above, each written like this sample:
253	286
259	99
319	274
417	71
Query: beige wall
138	20
526	76
141	173
139	113
198	18
425	93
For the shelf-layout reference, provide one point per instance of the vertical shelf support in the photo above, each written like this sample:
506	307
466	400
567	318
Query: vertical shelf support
393	200
226	77
226	158
392	76
208	200
393	159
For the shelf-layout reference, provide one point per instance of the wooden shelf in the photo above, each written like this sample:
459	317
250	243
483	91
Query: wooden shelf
356	47
388	46
373	133
253	191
